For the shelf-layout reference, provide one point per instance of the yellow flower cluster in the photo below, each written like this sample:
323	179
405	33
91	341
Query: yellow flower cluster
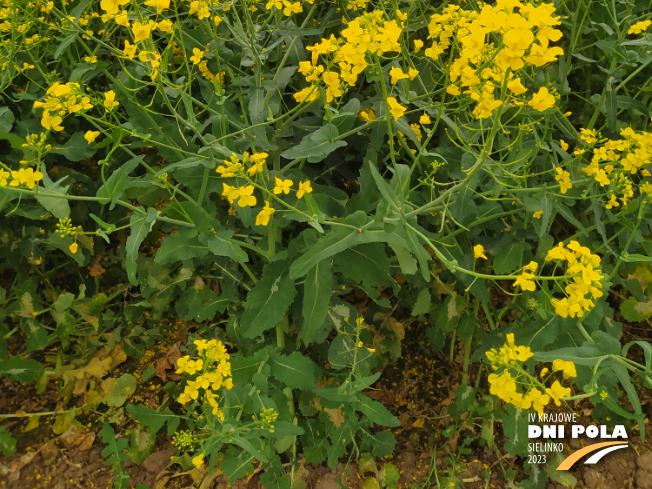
216	368
615	160
482	67
585	281
368	33
27	177
60	101
505	386
288	8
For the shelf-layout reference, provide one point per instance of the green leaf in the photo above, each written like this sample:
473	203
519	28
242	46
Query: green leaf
6	119
65	43
340	239
366	263
200	303
141	445
376	412
422	304
295	370
117	391
316	146
140	228
405	259
180	246
64	301
153	419
268	302
118	182
510	257
37	335
59	207
236	464
385	189
635	311
221	244
316	298
76	148
7	442
611	104
246	445
568	215
20	370
381	443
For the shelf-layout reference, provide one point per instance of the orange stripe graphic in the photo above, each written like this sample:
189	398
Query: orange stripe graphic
568	463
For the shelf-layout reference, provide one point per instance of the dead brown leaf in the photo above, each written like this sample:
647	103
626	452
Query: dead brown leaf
335	416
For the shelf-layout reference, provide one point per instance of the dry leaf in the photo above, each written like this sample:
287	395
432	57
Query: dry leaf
336	416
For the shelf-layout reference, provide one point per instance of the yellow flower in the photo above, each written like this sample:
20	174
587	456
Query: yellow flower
425	119
165	26
542	100
27	177
160	5
50	122
568	368
291	8
112	6
122	19
556	392
217	19
198	54
142	31
304	188
246	196
90	136
262	219
109	102
544	372
397	109
525	281
397	74
90	59
639	27
3	177
367	115
198	461
516	87
538	399
478	252
537	214
412	73
563	144
418	44
283	186
73	248
129	50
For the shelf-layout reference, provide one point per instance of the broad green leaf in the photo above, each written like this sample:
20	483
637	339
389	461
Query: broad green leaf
635	311
199	302
316	298
376	412
154	419
221	244
366	263
405	259
6	119
37	335
117	391
381	443
65	43
568	215
59	207
20	370
140	228
510	257
246	445
76	148
316	146
385	190
64	301
236	464
339	240
294	370
7	442
180	246
118	182
141	445
422	304
268	302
